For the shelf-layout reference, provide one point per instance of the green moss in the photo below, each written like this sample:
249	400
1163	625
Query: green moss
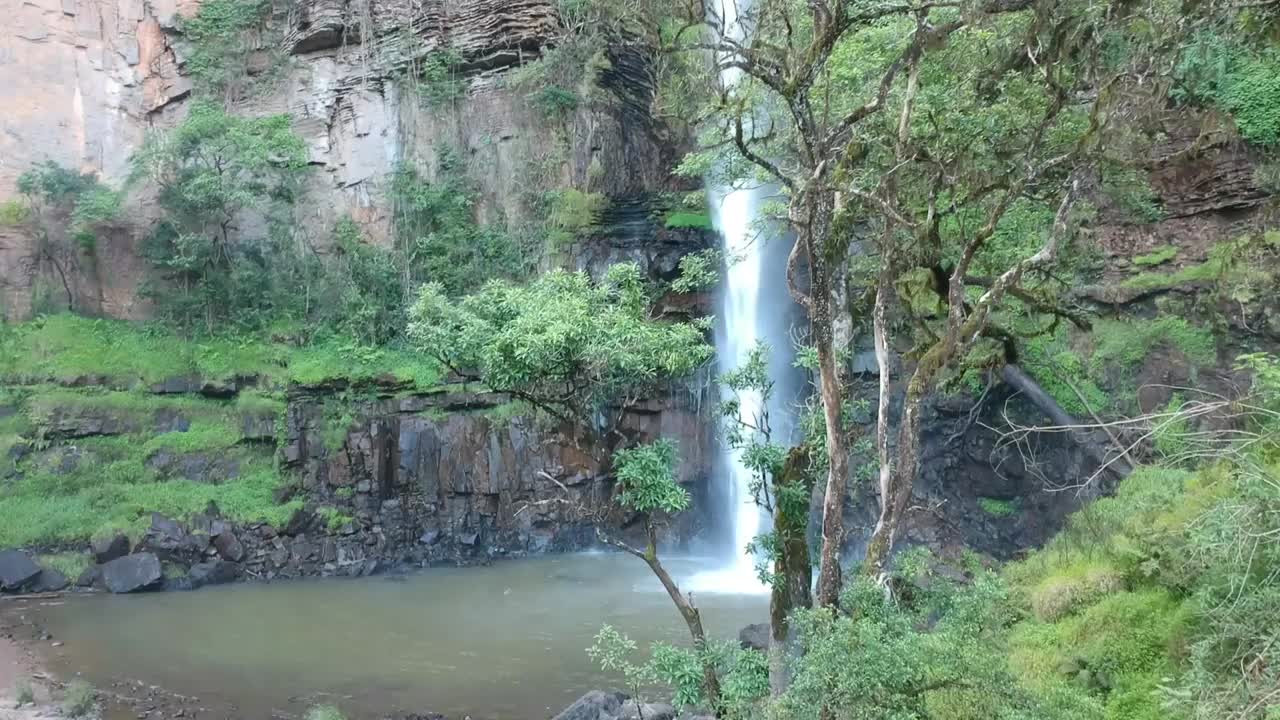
201	436
1158	256
685	220
69	346
334	519
996	507
1057	366
1208	271
1125	344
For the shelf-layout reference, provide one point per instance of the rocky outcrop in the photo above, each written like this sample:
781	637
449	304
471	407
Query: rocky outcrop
422	484
107	71
132	573
601	705
17	569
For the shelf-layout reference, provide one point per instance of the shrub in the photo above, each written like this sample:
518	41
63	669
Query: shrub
78	700
23	693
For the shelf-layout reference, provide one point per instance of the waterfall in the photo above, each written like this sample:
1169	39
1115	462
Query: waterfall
744	319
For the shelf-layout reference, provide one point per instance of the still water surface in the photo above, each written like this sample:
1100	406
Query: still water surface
500	642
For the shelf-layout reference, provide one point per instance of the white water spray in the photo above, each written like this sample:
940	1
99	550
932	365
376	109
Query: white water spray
734	212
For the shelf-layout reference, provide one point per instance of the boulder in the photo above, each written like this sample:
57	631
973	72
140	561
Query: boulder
228	546
647	711
16	570
754	637
214	572
49	580
90	577
132	573
106	549
595	705
170	541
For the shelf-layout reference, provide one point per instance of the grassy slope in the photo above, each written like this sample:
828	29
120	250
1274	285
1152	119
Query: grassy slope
114	487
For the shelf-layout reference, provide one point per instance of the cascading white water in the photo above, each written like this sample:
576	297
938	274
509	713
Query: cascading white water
734	212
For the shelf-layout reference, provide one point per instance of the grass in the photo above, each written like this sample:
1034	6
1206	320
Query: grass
203	435
1157	256
1125	344
70	564
117	492
1208	271
997	508
686	220
78	700
65	346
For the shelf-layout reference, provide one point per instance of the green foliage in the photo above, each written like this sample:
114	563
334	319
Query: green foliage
109	485
685	220
438	238
935	652
1218	68
78	699
698	271
1132	193
220	41
562	329
744	674
334	519
1125	343
209	170
1157	256
68	346
571	213
440	82
647	476
23	694
1058	367
555	101
13	212
997	508
89	204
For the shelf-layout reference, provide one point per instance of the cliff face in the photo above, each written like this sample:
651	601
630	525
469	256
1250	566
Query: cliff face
86	80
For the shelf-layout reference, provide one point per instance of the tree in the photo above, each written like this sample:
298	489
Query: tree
906	138
781	484
77	201
582	352
226	184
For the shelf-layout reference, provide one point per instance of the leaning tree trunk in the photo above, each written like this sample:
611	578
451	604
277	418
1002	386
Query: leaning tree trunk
692	618
794	570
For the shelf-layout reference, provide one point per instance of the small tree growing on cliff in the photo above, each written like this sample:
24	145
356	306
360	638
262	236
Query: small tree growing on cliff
582	352
222	180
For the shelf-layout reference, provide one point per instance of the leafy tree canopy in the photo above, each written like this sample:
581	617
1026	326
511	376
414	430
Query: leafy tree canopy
564	342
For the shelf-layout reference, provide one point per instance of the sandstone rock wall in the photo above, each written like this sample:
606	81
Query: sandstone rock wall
86	79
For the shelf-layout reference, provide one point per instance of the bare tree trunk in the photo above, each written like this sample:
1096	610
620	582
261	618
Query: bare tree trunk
813	219
884	454
692	618
792	565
